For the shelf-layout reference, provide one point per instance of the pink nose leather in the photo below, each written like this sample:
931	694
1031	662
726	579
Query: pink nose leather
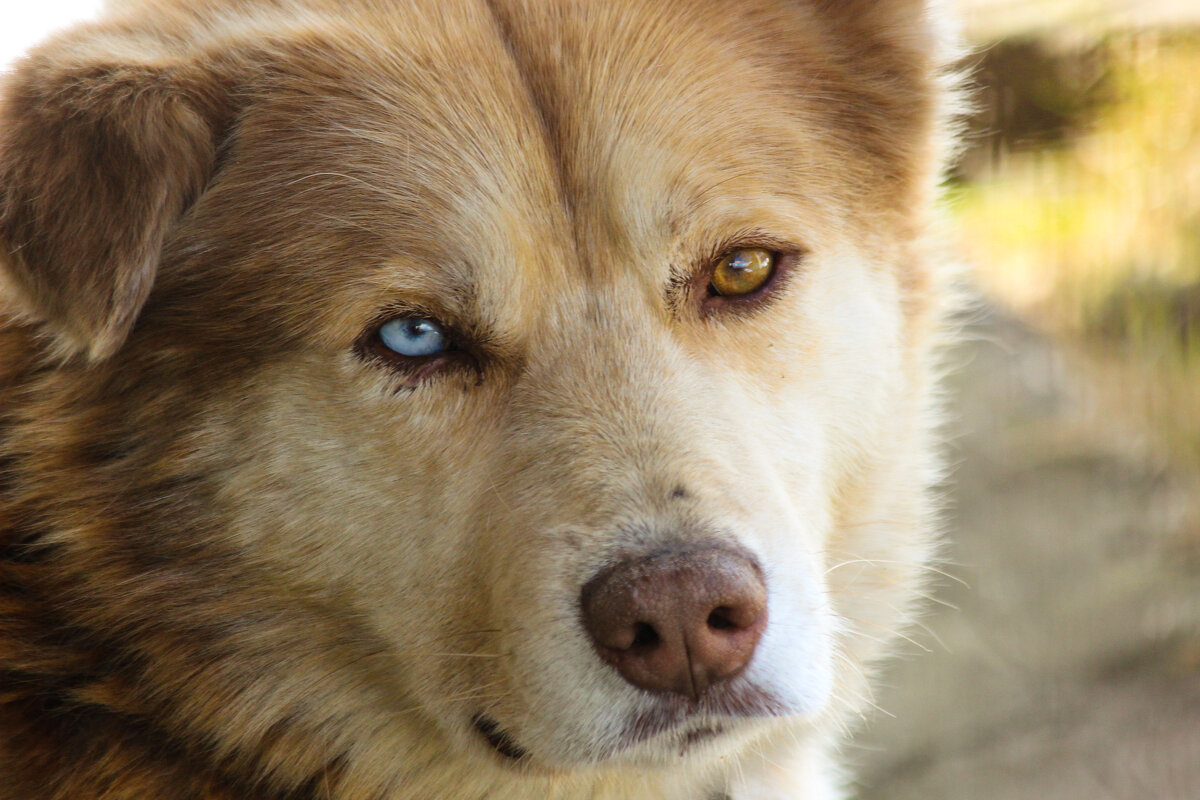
677	622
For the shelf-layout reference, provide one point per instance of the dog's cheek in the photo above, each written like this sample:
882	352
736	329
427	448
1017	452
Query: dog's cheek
361	498
869	387
831	381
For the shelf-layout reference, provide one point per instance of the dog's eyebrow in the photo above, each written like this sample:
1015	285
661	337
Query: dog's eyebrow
456	302
452	301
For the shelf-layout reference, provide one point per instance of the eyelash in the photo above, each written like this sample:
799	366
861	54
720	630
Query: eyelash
415	370
786	256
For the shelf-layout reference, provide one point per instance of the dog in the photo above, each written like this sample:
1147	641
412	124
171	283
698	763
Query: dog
463	399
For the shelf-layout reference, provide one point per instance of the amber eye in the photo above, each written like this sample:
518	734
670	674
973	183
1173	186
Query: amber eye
741	272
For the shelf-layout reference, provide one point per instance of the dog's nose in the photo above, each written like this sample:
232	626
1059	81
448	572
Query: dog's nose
677	621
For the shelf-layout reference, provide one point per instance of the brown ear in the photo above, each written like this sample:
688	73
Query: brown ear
99	156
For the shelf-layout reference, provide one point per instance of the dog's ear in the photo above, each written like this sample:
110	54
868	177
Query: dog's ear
102	148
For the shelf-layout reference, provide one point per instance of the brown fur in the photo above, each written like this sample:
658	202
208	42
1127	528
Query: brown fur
240	558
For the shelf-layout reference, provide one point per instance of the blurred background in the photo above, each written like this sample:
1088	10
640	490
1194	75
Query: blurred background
1061	655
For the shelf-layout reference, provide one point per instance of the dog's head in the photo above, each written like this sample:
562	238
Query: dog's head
531	384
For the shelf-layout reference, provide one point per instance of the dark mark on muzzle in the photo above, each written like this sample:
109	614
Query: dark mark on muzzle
498	738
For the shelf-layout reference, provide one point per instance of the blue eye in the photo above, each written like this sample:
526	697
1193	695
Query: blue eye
415	337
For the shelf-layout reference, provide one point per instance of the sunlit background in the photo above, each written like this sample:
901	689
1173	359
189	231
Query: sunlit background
1079	201
1062	658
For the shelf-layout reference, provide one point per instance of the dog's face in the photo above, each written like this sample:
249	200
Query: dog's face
472	329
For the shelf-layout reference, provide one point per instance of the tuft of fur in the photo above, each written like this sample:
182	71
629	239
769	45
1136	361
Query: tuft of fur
244	556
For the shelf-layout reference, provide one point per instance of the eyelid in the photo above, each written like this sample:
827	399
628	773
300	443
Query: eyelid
751	239
466	350
690	288
720	305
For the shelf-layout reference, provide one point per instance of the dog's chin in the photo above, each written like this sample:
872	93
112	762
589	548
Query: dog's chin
697	739
658	735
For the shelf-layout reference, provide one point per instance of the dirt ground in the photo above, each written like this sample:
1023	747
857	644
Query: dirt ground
1066	663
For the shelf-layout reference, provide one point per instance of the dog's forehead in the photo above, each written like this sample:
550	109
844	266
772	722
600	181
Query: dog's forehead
661	116
473	138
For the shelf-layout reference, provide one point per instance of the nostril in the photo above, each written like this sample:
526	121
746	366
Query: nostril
720	619
738	617
644	636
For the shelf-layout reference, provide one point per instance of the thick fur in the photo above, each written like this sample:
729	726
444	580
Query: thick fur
243	557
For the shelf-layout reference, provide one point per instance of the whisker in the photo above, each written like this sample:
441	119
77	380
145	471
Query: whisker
464	655
884	561
474	694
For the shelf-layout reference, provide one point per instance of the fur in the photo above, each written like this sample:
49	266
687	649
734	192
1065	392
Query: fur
242	555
